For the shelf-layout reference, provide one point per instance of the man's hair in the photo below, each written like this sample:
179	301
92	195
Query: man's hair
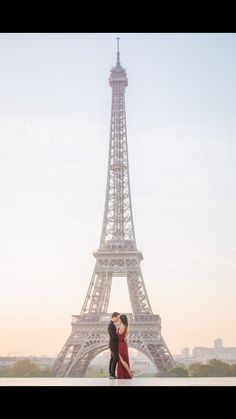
115	314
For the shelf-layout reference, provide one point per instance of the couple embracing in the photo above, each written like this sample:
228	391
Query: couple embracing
119	366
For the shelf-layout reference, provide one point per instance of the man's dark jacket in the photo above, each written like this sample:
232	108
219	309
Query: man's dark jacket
113	338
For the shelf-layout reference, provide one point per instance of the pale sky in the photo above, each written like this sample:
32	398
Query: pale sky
55	104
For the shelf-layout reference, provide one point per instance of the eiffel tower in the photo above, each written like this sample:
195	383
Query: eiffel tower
117	256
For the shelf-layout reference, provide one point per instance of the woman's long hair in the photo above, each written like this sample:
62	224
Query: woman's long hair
124	321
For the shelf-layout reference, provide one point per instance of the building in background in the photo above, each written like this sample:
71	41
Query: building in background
227	354
204	354
185	353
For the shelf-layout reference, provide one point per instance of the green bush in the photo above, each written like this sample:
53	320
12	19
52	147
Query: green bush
178	372
214	368
25	368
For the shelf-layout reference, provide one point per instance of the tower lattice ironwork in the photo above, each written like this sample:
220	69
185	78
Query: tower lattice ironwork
117	256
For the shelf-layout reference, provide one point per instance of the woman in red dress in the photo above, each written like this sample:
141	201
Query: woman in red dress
123	367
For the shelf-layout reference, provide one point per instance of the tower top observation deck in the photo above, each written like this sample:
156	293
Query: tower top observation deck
118	73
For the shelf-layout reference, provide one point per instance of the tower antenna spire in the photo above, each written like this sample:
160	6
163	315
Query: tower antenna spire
118	52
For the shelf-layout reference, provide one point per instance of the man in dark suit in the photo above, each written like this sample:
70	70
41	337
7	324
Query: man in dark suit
113	344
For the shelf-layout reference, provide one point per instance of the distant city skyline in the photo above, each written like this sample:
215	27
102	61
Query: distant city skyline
54	132
186	356
133	351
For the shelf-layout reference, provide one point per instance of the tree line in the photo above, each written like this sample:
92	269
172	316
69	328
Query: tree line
25	368
213	368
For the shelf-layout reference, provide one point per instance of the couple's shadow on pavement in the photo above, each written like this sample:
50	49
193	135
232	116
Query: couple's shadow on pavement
121	382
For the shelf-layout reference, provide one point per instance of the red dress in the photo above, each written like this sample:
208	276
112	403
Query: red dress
123	352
